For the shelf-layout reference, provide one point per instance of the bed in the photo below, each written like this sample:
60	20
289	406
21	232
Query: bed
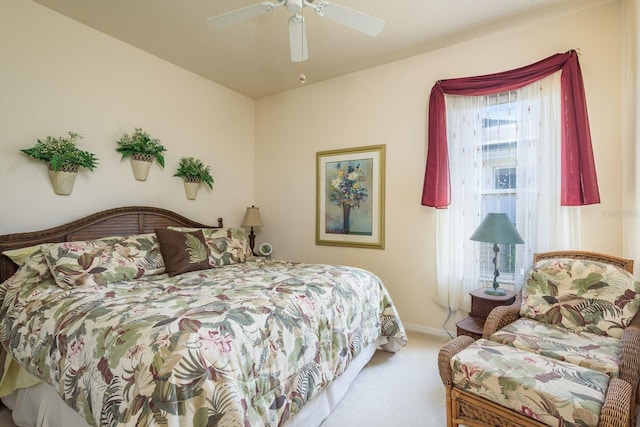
140	316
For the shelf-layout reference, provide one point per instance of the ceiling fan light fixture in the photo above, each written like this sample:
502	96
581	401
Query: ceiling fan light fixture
350	18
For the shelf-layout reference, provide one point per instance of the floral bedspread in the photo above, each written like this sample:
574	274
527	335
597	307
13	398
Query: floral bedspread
243	345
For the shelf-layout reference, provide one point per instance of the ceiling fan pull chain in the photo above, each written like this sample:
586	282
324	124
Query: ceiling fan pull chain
303	78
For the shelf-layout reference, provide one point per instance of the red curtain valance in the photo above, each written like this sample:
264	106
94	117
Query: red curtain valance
579	184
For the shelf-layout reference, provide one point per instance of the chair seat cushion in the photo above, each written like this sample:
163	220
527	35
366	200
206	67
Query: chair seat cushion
547	390
579	348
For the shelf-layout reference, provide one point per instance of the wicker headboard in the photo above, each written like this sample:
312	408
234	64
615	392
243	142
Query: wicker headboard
124	221
626	264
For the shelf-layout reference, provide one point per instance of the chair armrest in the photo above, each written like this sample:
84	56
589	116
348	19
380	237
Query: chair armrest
615	410
447	351
501	316
635	322
630	356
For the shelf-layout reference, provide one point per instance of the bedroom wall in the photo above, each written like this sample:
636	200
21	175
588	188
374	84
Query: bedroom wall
58	75
631	115
388	105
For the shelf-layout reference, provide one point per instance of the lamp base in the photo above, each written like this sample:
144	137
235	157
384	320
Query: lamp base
495	292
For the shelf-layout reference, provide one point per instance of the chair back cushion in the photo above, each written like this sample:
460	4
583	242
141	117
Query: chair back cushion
580	295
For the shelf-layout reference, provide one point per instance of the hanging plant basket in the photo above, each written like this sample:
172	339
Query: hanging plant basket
193	172
63	180
143	150
191	188
63	159
140	164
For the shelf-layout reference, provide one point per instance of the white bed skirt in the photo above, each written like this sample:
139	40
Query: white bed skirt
41	406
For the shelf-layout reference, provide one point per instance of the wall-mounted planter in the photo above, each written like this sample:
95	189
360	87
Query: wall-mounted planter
140	166
191	189
62	181
63	159
193	172
142	149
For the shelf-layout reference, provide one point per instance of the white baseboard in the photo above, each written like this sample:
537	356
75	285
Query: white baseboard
428	331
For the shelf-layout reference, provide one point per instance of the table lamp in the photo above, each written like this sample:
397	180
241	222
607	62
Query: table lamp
252	219
496	228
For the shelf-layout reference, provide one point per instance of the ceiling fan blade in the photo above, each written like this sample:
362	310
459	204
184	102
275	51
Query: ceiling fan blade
298	39
350	18
242	14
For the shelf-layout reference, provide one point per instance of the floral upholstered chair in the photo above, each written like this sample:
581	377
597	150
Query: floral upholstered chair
577	307
565	353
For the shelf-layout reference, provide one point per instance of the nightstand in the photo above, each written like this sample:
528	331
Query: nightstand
481	306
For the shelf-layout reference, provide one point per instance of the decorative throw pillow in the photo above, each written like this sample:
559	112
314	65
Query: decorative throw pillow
183	251
21	255
106	260
34	269
581	295
226	245
90	262
143	250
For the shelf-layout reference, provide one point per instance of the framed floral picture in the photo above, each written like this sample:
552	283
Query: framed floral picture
350	197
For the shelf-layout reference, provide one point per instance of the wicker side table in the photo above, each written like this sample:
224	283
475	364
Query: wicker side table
481	305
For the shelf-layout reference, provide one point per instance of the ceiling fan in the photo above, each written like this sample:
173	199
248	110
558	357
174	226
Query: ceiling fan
297	33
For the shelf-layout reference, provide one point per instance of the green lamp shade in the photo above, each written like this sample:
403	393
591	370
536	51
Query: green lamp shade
496	228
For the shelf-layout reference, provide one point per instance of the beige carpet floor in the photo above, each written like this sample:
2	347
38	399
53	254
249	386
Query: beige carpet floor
396	389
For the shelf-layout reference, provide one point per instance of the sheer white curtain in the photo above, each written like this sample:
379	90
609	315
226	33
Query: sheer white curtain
544	224
534	122
457	276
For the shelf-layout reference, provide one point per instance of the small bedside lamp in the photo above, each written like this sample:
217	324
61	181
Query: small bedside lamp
252	219
496	228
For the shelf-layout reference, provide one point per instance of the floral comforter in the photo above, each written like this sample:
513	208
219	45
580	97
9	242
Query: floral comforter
244	345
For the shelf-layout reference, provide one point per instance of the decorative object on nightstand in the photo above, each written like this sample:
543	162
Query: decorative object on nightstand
481	305
496	228
252	219
265	250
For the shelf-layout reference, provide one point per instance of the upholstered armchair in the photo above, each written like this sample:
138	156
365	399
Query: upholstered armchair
579	307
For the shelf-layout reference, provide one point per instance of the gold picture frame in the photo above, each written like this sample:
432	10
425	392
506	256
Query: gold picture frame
350	197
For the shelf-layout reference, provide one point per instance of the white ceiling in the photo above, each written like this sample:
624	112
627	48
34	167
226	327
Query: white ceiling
253	58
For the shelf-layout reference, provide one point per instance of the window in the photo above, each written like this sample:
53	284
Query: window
579	183
500	120
504	157
545	193
505	178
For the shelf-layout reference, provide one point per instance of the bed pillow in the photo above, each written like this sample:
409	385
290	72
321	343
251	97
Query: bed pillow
21	255
106	260
34	269
226	245
144	251
88	262
183	251
581	295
